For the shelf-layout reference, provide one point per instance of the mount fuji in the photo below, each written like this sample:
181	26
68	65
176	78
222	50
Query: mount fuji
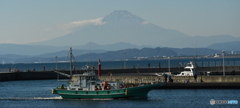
123	26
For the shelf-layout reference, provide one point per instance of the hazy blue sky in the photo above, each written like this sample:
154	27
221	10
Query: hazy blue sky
24	21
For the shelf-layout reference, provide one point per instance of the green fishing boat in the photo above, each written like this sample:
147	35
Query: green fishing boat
87	86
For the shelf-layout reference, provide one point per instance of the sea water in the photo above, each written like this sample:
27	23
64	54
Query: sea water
37	93
204	62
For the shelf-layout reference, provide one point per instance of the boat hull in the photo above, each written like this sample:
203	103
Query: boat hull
140	91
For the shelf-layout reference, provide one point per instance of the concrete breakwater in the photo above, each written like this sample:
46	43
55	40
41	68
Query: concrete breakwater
176	79
181	82
125	78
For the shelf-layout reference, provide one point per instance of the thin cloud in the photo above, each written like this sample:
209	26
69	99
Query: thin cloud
77	24
145	22
64	29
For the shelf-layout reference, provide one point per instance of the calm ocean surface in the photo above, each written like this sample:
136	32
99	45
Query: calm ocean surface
120	64
37	93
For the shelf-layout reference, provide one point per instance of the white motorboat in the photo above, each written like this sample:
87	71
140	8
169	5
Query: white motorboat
189	70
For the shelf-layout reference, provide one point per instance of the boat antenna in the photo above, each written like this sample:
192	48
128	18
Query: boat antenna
71	60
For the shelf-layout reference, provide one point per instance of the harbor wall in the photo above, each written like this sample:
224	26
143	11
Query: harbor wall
214	70
176	79
9	76
37	75
125	78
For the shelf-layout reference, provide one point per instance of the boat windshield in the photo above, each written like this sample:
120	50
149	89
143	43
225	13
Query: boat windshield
83	77
187	70
92	78
87	78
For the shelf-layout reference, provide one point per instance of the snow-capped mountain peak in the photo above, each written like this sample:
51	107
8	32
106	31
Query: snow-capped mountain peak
122	16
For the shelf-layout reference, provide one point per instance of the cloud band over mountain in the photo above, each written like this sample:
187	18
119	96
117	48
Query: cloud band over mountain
81	23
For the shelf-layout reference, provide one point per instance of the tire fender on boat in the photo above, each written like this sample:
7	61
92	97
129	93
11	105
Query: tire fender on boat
126	92
53	91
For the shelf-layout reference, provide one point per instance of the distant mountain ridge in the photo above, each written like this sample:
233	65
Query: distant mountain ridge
109	47
64	53
227	46
128	54
26	53
88	55
33	50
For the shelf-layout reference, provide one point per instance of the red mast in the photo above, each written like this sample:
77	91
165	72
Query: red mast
99	67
